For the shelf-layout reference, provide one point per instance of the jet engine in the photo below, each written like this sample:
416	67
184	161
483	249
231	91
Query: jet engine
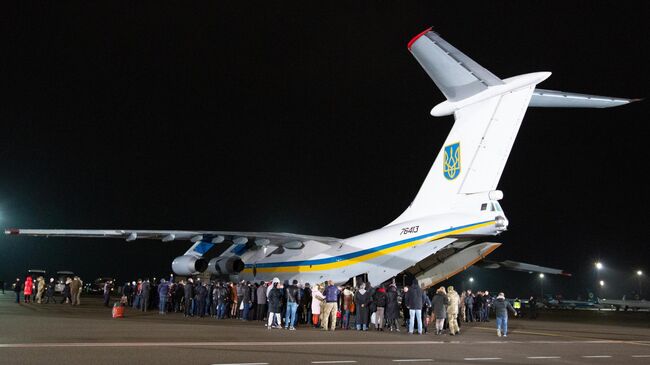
225	265
188	265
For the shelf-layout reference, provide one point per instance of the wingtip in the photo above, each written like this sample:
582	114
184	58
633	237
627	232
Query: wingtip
410	43
12	231
564	273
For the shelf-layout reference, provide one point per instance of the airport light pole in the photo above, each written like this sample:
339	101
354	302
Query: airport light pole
639	276
599	266
541	285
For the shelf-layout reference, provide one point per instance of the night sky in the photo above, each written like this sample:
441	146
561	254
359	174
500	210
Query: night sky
310	118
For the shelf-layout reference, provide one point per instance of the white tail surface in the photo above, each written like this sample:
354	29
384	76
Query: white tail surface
475	152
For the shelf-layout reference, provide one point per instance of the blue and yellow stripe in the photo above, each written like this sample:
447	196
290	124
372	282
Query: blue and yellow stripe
356	257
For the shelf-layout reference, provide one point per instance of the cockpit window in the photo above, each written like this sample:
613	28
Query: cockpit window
484	206
497	207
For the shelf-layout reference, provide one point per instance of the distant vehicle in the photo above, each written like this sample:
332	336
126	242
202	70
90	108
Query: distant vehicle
625	304
97	286
60	280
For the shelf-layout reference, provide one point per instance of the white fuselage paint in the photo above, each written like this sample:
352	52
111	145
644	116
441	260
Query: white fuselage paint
381	254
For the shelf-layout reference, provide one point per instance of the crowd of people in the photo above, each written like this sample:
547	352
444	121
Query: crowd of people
290	304
322	305
39	291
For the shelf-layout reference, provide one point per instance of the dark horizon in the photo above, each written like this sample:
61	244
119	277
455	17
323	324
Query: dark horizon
310	119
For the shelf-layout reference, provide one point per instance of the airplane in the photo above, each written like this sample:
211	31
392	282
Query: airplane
558	303
447	227
625	304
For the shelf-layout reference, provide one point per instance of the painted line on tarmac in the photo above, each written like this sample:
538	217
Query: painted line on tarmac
246	363
334	362
413	360
481	358
292	343
542	357
640	355
596	356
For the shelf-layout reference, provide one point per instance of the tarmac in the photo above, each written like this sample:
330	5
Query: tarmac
61	334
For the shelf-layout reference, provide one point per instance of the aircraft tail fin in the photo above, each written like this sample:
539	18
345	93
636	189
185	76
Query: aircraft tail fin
488	112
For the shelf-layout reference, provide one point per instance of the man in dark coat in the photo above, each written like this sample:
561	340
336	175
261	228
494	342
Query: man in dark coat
379	298
275	306
200	294
49	291
392	308
188	291
247	300
17	289
414	304
362	301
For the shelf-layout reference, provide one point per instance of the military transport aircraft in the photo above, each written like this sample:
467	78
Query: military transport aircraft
441	233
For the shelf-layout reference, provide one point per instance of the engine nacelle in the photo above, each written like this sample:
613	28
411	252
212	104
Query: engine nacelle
189	265
225	265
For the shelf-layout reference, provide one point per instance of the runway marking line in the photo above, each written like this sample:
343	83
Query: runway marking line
413	360
481	358
334	362
596	340
246	363
543	357
596	356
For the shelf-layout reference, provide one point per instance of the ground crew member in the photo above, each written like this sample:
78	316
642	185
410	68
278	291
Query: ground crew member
517	306
452	310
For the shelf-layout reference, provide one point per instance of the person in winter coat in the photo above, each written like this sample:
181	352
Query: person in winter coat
40	289
274	300
67	296
316	299
306	303
28	288
453	301
347	298
49	292
163	294
426	311
127	291
17	289
362	300
414	305
501	308
469	306
261	301
392	308
75	290
461	310
146	292
379	298
439	303
200	293
331	306
188	295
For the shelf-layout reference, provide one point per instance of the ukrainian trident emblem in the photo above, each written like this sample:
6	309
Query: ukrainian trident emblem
451	165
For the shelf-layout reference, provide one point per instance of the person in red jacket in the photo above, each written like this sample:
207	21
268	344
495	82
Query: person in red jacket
28	288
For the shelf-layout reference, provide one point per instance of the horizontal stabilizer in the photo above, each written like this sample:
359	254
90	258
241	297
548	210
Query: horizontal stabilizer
521	266
455	74
543	98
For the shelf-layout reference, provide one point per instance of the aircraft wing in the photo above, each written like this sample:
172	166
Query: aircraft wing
203	240
520	266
